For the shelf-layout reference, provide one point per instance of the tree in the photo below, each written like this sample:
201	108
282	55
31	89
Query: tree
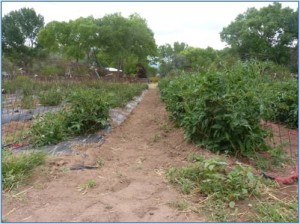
265	34
19	35
171	57
126	41
199	59
112	41
74	39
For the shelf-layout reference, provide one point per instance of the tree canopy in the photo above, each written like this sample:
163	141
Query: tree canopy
19	34
114	40
266	34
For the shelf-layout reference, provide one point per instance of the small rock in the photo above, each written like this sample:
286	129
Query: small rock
151	213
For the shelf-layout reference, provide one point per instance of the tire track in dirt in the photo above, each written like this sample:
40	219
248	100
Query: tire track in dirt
130	186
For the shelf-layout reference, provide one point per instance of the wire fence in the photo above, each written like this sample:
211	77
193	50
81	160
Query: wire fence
284	137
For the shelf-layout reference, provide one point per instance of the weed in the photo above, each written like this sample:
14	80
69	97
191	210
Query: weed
194	157
166	128
100	162
15	135
64	169
108	207
181	205
27	102
84	187
277	211
49	128
17	168
156	138
214	178
276	158
52	97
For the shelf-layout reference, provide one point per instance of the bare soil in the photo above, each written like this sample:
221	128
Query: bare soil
130	180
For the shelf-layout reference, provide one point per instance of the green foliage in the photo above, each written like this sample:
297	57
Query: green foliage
213	178
220	111
86	108
199	60
19	32
194	157
117	95
51	97
87	185
27	102
113	40
49	128
171	58
16	168
87	111
51	70
279	212
264	34
276	159
282	104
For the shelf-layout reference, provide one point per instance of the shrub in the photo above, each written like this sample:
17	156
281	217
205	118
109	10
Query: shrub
52	97
281	103
87	111
49	128
221	111
27	102
52	70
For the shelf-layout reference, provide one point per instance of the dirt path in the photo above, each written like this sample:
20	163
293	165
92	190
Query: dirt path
130	186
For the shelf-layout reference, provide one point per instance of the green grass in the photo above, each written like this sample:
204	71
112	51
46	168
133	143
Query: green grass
17	168
87	185
284	211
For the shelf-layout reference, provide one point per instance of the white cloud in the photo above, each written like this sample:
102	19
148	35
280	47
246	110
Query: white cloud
195	23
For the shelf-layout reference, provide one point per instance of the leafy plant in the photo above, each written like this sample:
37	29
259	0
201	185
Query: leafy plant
276	158
27	102
49	128
215	179
51	97
281	104
220	111
84	187
52	70
16	168
87	111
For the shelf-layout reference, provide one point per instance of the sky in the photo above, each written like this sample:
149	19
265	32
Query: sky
197	24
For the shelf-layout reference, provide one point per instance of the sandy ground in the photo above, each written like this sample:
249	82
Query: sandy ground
130	181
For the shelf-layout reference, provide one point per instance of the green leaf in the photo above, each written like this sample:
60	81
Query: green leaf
250	175
231	204
211	167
